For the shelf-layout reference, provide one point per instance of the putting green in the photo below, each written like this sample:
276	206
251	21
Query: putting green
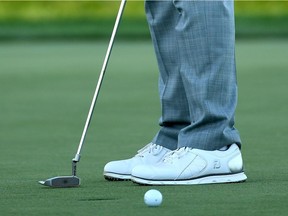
46	90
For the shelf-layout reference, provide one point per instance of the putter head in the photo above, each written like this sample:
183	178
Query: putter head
62	182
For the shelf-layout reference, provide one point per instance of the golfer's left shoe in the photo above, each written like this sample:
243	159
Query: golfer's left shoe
193	166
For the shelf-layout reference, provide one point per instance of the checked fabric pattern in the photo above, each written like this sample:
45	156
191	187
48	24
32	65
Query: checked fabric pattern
194	43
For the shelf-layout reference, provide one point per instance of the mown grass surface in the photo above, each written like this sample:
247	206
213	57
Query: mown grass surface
46	89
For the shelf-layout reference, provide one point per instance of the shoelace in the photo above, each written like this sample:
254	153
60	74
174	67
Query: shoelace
150	148
176	154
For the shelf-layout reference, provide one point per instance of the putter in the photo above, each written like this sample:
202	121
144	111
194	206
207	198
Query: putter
73	180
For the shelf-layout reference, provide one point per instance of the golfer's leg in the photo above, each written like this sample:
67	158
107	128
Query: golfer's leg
162	18
206	38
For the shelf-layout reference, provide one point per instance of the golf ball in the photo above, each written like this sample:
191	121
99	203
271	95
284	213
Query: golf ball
153	198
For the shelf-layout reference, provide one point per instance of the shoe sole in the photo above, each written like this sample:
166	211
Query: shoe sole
116	177
215	179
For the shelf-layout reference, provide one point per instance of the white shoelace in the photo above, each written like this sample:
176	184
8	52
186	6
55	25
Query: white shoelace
150	148
176	154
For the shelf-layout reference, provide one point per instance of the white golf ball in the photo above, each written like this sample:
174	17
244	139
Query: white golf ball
153	198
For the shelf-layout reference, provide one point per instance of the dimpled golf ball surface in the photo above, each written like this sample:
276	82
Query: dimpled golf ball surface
153	198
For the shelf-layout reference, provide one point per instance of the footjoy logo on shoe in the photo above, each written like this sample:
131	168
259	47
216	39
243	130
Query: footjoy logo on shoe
217	164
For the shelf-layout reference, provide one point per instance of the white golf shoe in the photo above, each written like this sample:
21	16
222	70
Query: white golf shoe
193	166
121	169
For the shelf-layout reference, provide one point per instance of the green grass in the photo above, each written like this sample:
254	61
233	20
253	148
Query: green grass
50	10
72	29
46	90
86	28
95	19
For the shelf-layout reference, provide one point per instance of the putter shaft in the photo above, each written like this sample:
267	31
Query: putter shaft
73	181
101	76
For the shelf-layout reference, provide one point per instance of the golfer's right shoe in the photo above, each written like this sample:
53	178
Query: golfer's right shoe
121	169
185	166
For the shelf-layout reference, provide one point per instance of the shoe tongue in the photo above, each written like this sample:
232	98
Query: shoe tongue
224	148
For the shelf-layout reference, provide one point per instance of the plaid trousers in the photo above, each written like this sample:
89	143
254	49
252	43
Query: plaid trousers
194	43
